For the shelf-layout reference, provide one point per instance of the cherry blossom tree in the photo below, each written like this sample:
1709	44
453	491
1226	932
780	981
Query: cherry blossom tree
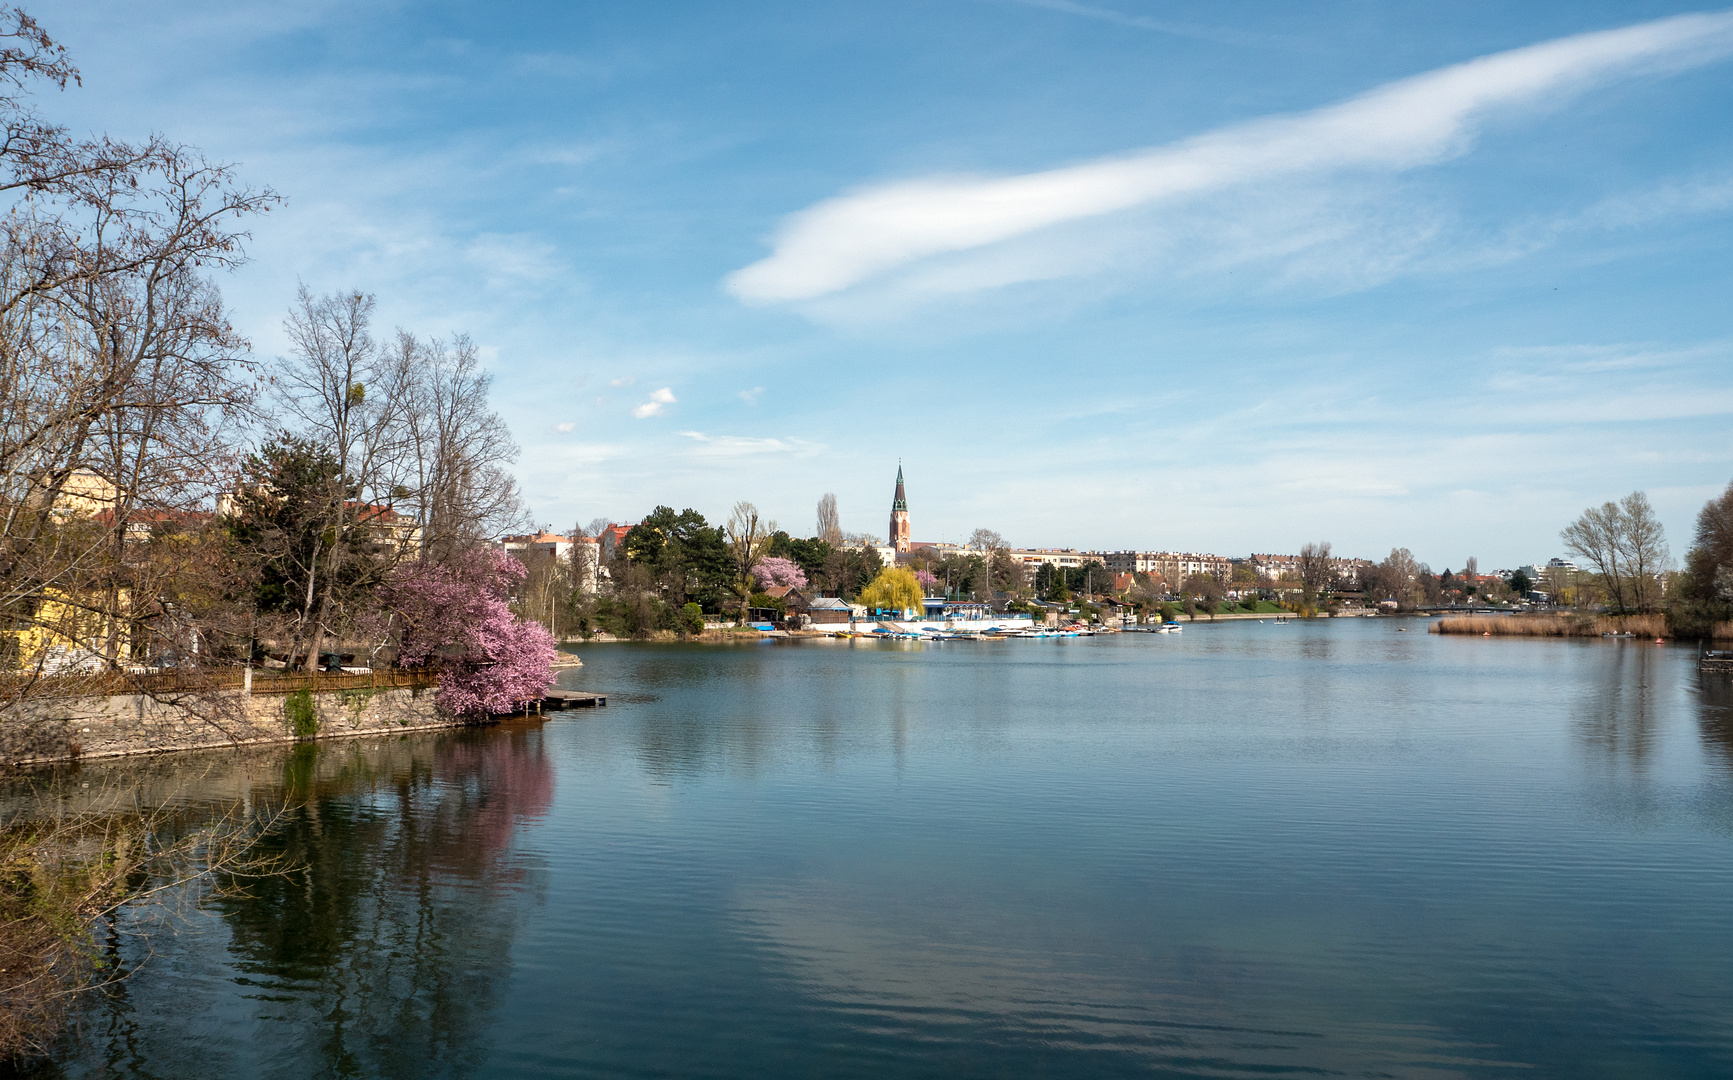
927	580
490	661
775	570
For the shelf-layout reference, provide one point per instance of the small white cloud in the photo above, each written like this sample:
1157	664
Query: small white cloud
564	427
624	380
751	396
653	407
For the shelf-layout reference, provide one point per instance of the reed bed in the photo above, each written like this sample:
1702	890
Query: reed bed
1643	626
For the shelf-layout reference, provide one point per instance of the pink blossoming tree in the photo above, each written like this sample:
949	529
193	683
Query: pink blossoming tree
490	661
775	570
927	580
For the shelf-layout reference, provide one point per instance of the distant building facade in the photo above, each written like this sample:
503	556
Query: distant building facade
1177	566
612	537
1060	558
1274	567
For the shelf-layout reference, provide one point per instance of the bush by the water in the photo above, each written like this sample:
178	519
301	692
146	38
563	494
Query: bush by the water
302	716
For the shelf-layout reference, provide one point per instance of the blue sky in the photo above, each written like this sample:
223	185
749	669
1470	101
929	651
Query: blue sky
1213	277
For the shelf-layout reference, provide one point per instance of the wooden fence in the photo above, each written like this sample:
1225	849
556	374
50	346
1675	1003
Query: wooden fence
112	683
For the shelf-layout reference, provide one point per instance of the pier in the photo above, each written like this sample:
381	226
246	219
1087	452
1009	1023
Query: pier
572	699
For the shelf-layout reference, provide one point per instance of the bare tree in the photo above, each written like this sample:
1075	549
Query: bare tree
459	448
748	537
1315	567
1594	537
986	540
1644	544
829	523
351	398
120	378
1398	578
1627	547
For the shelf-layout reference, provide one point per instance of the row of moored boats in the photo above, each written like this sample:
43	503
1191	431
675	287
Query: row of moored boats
993	633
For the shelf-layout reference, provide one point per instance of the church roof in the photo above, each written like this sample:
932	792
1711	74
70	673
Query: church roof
902	500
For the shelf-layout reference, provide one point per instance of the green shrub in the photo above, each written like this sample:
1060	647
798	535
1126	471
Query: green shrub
303	718
692	619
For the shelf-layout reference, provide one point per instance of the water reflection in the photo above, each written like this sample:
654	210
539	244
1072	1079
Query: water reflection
1619	716
1317	849
1715	718
381	954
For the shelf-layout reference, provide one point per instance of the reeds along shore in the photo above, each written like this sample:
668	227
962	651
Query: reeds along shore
1643	626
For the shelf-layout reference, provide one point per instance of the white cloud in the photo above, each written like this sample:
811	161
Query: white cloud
625	380
564	427
842	242
741	446
751	396
658	400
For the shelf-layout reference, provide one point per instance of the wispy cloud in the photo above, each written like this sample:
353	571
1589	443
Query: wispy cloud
624	380
513	255
659	400
743	446
563	428
853	238
750	396
1144	22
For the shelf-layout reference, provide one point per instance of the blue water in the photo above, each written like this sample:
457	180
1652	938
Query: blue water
1330	848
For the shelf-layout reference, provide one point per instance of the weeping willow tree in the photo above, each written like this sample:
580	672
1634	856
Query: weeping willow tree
895	589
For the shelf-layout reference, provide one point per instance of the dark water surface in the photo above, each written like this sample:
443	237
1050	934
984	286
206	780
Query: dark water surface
1248	850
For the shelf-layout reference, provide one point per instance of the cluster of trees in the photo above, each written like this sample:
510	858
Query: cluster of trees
117	359
1702	603
673	569
1628	567
1626	549
130	408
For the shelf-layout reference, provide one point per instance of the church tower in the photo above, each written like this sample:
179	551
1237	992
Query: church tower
900	516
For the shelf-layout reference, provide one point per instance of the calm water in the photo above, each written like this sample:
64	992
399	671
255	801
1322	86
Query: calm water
1247	850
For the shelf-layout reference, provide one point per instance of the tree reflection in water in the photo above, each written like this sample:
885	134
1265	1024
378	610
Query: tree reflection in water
1620	718
1715	717
384	951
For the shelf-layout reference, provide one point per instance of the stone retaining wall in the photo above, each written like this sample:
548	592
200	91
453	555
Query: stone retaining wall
58	729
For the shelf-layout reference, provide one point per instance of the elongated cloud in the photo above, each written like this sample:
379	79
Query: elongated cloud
1421	120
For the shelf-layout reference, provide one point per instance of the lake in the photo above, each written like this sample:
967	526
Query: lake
1344	848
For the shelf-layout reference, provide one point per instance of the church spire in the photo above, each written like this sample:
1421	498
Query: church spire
900	515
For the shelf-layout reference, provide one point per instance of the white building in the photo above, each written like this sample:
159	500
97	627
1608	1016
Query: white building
582	555
1131	562
1176	566
1062	558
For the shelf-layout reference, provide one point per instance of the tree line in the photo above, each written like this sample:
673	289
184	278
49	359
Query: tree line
168	500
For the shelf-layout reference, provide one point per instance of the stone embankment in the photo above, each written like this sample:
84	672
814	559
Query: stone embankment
48	728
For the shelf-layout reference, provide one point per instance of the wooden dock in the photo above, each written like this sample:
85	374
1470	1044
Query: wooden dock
572	699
